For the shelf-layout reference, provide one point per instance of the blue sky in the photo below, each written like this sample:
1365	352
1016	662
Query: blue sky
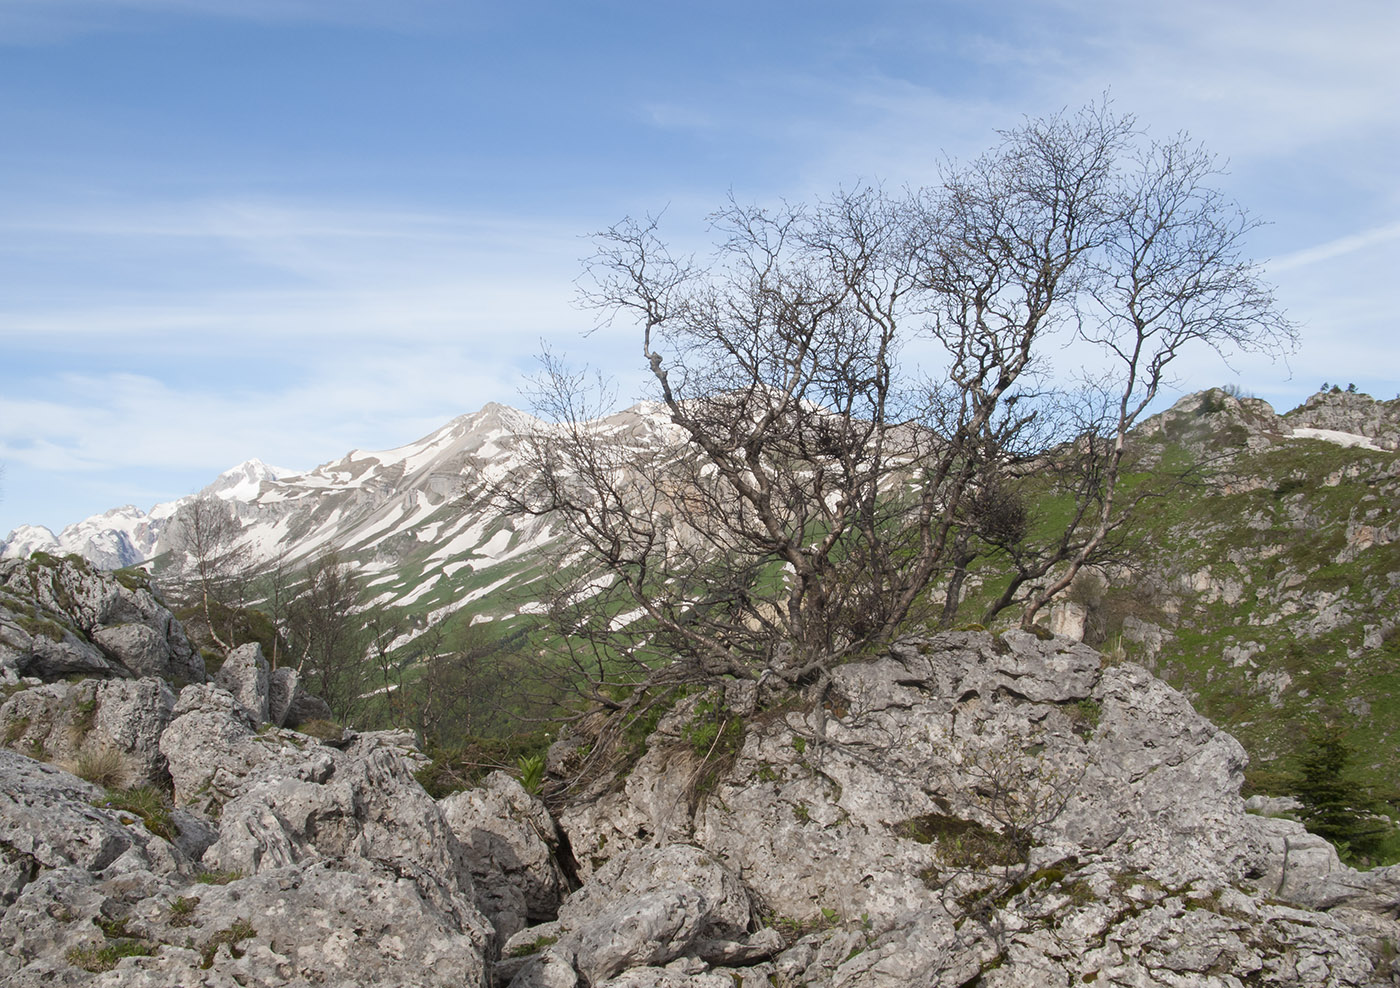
286	228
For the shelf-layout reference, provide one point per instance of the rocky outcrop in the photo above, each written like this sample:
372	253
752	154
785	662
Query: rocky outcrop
1008	808
316	865
1210	423
969	808
119	720
60	617
512	848
1350	412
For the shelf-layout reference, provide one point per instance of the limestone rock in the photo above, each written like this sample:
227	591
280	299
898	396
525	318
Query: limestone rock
60	616
376	894
891	813
511	844
214	748
283	685
727	911
245	675
62	722
37	645
1342	411
51	818
137	647
304	707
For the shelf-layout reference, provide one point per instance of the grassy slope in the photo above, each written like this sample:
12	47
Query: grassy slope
1278	615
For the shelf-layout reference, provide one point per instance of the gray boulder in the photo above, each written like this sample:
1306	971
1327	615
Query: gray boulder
245	675
283	684
71	723
511	844
60	617
214	748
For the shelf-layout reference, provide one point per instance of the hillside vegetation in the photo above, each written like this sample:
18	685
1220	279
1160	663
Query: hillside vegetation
1265	583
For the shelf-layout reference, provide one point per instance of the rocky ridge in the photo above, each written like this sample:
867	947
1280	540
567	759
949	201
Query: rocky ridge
965	809
1267	585
60	617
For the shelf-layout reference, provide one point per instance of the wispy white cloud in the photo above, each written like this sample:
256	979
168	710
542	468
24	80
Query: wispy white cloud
303	273
1341	246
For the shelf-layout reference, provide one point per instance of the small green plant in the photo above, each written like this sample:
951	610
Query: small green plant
1085	716
799	745
531	772
533	947
218	877
803	814
240	930
84	715
114	929
182	910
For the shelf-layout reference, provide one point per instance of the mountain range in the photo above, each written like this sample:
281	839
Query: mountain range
1269	591
415	521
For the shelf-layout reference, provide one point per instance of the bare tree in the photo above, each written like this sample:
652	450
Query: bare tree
810	483
216	564
277	589
326	631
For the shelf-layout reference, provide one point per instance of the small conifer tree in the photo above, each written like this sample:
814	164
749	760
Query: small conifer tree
1336	806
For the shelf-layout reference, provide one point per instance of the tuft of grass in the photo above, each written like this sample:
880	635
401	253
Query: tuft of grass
102	766
96	959
240	930
85	714
182	910
147	802
218	877
533	947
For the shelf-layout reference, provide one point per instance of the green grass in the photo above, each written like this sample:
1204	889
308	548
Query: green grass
95	959
240	930
152	805
217	877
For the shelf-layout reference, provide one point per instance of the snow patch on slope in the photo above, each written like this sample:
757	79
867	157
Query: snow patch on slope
1348	439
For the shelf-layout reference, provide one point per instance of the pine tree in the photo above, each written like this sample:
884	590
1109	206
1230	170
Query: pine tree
1336	806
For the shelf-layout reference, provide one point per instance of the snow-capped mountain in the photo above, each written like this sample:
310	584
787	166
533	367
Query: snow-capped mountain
120	537
414	522
128	536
